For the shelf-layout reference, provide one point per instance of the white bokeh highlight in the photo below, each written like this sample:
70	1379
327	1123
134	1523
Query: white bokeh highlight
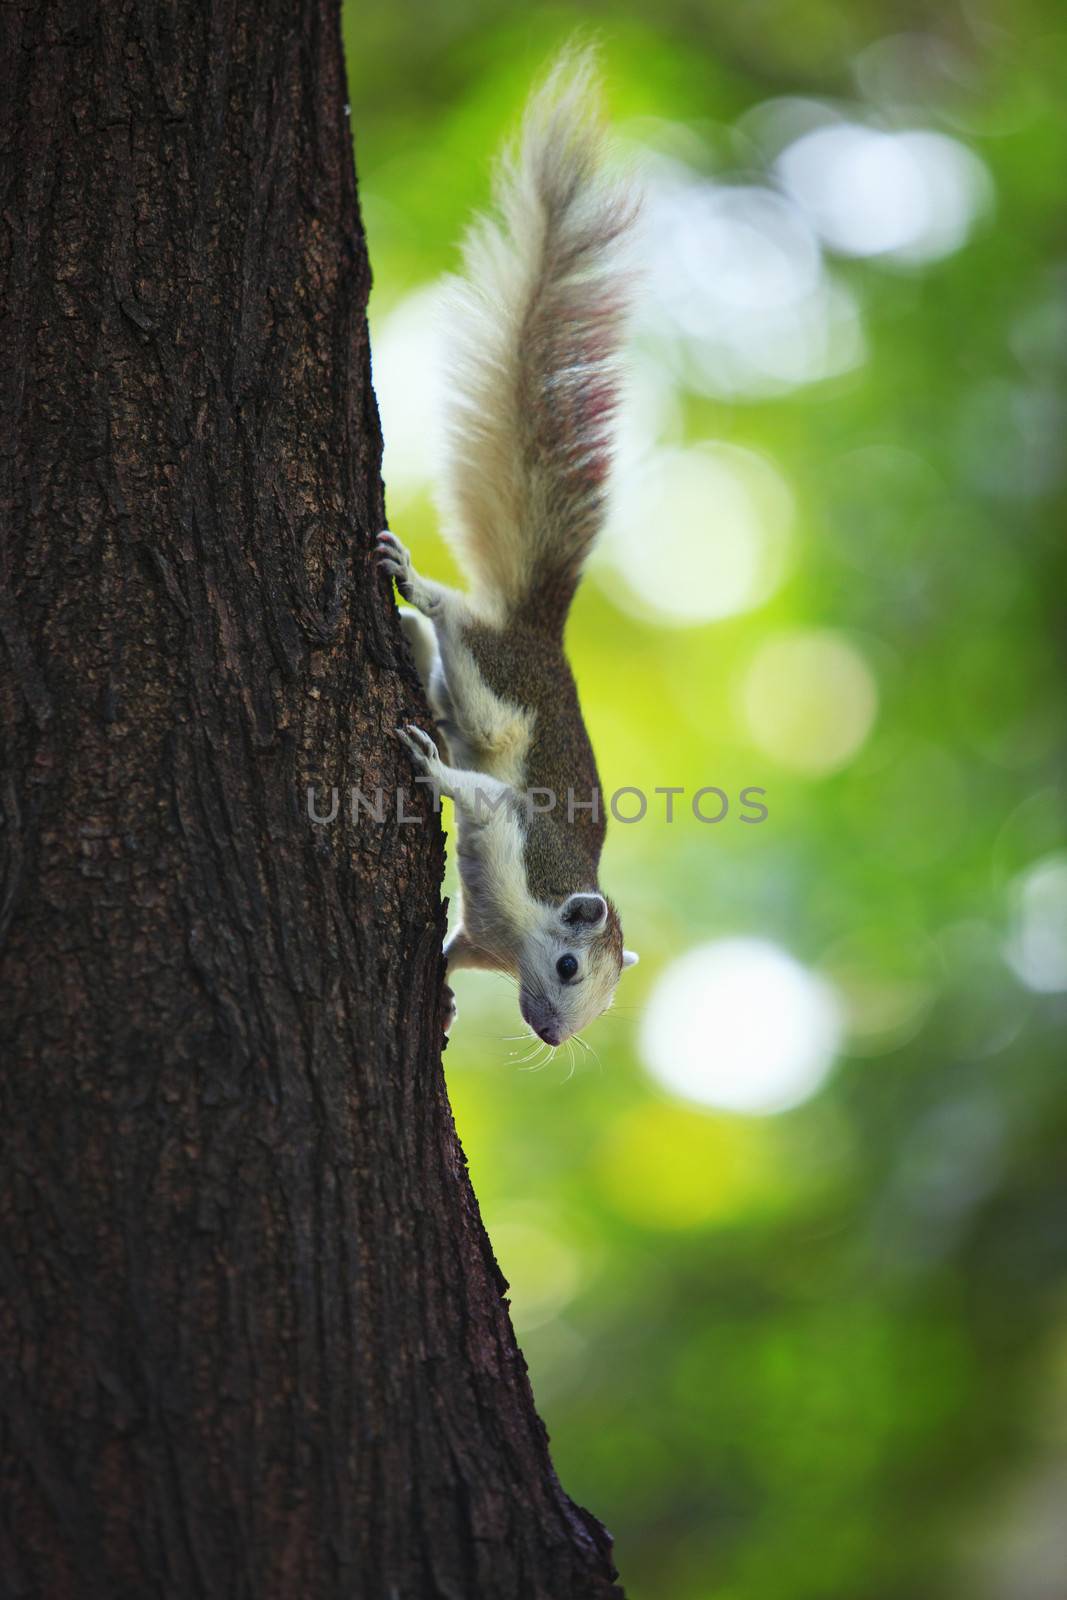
1037	944
407	357
736	299
913	196
699	534
740	1025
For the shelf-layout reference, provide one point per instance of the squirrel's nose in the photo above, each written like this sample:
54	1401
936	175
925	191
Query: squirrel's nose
549	1035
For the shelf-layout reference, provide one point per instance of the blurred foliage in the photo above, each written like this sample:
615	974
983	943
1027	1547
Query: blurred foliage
819	1354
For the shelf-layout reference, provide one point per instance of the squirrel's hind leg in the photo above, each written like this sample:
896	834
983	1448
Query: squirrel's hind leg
422	641
481	729
478	794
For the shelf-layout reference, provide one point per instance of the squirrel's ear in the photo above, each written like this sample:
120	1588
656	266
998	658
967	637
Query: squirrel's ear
630	958
588	909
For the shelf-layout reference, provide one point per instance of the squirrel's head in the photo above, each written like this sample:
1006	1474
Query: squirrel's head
570	964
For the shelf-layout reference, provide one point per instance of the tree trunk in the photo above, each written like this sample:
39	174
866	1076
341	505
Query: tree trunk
252	1338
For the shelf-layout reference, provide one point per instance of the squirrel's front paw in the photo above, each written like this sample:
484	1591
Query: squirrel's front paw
393	558
419	746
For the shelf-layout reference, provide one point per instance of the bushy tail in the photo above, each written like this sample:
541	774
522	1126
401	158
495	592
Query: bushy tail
535	324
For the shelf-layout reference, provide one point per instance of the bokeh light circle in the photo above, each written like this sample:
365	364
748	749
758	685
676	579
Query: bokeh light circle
809	700
739	1024
1037	946
699	534
912	194
409	384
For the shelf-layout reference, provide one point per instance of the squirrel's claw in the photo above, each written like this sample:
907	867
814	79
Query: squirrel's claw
419	745
387	543
392	556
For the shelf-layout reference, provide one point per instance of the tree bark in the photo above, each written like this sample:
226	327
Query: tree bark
252	1336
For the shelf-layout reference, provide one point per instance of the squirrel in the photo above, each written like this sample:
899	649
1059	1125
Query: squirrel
536	324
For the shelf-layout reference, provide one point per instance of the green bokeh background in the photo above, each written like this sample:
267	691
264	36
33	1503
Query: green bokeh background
819	1354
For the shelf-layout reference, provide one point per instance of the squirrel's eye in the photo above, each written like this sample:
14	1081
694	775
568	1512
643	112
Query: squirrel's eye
566	966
